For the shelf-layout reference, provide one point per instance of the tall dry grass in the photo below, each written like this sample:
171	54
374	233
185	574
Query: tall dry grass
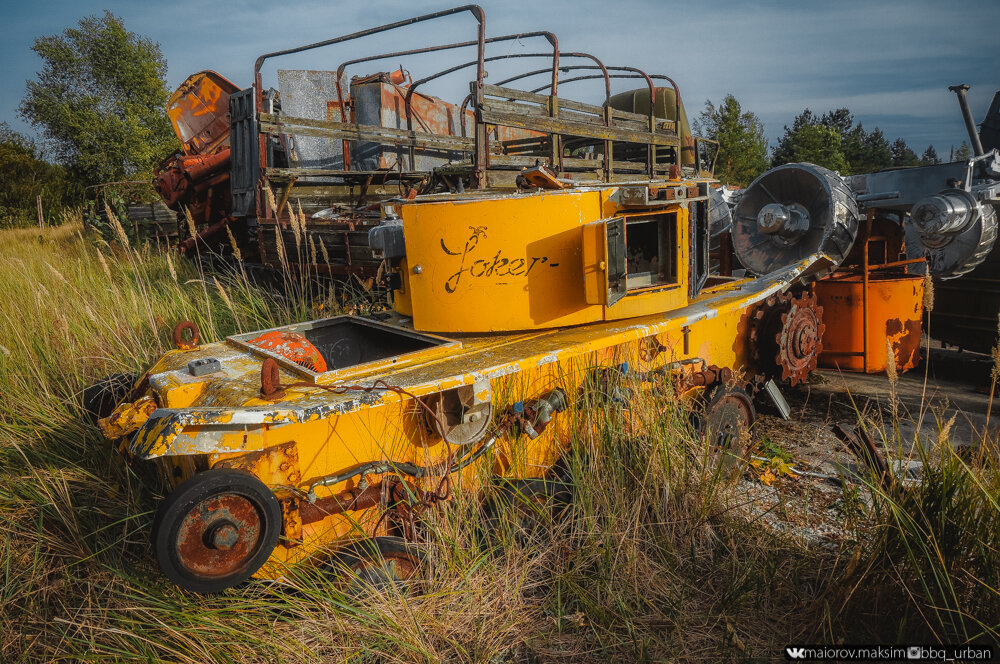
651	560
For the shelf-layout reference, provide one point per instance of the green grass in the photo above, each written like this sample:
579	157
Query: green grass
651	561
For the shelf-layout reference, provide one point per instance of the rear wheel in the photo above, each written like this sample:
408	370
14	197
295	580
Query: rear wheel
725	424
215	530
100	399
378	563
522	508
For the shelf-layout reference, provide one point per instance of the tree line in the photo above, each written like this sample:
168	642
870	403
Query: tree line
833	140
99	104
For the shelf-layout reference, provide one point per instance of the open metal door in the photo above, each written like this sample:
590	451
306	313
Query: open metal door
700	233
605	264
245	161
617	269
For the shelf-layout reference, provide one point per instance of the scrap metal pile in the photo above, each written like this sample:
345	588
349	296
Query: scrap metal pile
939	219
542	254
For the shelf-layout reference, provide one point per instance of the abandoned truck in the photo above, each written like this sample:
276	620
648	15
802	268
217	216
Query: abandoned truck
330	148
320	153
509	304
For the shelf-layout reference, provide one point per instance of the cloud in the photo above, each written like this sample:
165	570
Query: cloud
889	62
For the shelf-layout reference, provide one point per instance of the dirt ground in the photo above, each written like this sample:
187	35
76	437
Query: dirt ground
813	501
953	384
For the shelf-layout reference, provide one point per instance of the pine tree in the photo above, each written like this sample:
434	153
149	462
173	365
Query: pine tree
930	156
963	152
841	120
860	151
784	152
742	144
814	140
902	155
871	151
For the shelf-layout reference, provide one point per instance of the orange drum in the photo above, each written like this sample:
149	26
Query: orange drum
895	313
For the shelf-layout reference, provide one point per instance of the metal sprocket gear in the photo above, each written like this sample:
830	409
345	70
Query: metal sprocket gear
786	336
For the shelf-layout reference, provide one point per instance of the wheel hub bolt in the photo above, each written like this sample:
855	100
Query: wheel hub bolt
224	536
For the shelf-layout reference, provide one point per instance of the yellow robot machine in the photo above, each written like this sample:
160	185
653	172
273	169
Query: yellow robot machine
521	279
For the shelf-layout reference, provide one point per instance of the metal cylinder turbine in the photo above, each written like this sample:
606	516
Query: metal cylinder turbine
953	230
791	212
720	216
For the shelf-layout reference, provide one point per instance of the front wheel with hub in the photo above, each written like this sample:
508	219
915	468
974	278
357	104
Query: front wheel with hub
215	530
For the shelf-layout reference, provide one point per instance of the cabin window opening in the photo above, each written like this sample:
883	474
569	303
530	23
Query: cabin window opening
651	247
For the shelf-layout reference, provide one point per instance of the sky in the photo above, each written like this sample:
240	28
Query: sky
889	62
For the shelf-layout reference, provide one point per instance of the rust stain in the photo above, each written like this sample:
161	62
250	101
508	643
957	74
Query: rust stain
905	339
218	536
291	519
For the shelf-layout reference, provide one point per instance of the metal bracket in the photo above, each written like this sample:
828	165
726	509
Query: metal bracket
204	366
778	399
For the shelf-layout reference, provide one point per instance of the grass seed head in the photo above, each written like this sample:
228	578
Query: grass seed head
269	197
222	293
116	225
890	362
104	264
322	248
280	244
294	220
192	229
928	292
944	435
57	273
232	243
170	266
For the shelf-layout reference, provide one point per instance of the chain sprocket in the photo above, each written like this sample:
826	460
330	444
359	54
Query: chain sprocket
786	336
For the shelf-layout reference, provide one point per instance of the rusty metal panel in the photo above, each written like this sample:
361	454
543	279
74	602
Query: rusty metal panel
199	109
894	316
309	94
384	104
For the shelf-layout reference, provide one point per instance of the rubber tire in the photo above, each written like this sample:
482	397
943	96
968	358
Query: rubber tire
516	493
727	460
101	398
372	550
175	507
